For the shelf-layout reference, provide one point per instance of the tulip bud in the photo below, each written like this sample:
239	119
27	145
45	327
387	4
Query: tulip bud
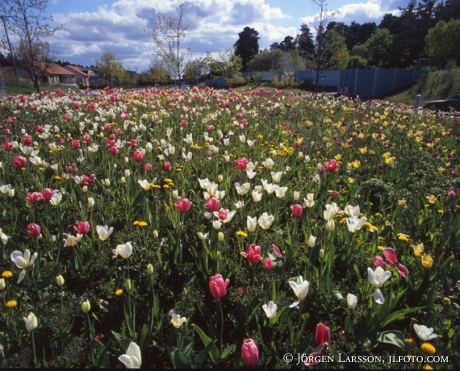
220	178
2	283
296	195
155	234
220	236
352	300
123	180
90	202
59	280
175	194
127	172
86	306
268	264
149	268
114	166
218	256
126	159
311	241
128	284
11	192
31	322
321	253
107	182
84	189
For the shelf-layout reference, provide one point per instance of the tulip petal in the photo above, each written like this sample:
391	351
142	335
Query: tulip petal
390	254
378	296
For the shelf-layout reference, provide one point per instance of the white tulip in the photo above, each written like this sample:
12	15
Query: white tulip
377	278
265	221
300	288
124	250
31	322
424	333
270	309
132	358
352	300
251	223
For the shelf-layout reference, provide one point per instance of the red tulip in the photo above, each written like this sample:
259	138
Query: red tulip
33	197
82	227
253	253
277	251
268	264
87	138
133	143
47	193
138	156
250	353
212	204
297	211
19	162
322	335
241	163
331	166
148	167
167	166
75	143
26	140
113	150
218	286
391	256
183	205
33	230
8	146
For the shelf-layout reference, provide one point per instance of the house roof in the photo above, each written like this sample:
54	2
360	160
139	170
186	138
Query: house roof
76	69
55	69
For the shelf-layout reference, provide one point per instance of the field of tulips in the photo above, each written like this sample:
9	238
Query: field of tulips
223	229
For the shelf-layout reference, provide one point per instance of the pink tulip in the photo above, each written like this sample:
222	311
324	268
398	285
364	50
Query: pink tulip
378	261
148	167
183	205
241	163
47	193
390	255
297	211
33	230
19	162
212	204
33	197
75	143
138	156
253	253
223	213
8	146
250	353
322	335
26	140
82	227
113	150
218	286
331	166
277	251
268	264
167	166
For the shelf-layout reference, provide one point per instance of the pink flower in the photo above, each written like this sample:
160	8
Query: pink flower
451	192
47	193
250	353
268	264
133	143
86	138
322	335
390	255
334	194
138	156
212	204
241	163
72	168
8	146
19	162
82	227
33	197
297	211
218	286
75	143
331	166
222	214
167	166
183	205
148	167
253	253
183	123
113	150
378	261
277	251
33	230
26	140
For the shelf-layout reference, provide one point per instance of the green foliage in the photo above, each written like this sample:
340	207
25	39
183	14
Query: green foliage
441	42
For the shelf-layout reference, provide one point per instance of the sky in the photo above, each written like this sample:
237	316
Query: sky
92	27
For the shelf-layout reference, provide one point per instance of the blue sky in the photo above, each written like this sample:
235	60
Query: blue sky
92	27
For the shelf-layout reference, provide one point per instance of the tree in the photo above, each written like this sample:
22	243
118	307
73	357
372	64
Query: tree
247	45
110	67
379	47
337	55
26	21
305	41
272	60
442	42
288	44
168	34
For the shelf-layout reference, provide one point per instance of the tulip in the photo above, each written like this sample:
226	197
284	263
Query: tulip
309	201
256	195
377	278
82	227
251	223
218	286
124	250
270	309
86	306
331	211
352	300
311	241
331	166
3	237
355	224
47	194
23	261
249	353
176	320
322	335
132	358
33	230
70	240
300	288
280	192
276	176
138	156
104	232
167	166
183	205
391	256
60	280
378	261
253	254
265	221
2	283
31	322
277	251
243	188
149	269
268	264
212	204
424	333
241	163
297	211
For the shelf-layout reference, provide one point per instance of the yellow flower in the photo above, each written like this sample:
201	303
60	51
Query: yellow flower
11	303
142	224
7	274
409	340
431	199
403	237
381	248
241	233
428	348
427	260
418	249
351	180
402	202
427	367
446	299
119	292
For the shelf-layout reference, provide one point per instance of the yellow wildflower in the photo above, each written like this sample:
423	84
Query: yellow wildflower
418	249
427	367
428	348
241	233
403	237
7	274
427	260
119	292
431	199
402	202
11	303
381	248
446	299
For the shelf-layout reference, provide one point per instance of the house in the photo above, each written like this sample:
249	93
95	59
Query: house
55	74
82	76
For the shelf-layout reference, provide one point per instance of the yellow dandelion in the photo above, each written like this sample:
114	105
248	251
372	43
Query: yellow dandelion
11	303
377	215
351	180
446	299
402	202
119	292
155	185
241	233
136	222
403	237
427	367
428	348
381	248
427	260
168	180
166	186
7	274
409	340
57	177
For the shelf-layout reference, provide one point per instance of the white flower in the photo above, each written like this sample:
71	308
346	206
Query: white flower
239	204
251	223
309	201
296	195
312	241
300	290
132	358
280	191
268	187
176	319
104	232
56	198
377	278
276	176
424	333
355	224
330	225
250	173
316	179
144	184
243	188
5	188
124	250
352	300
265	221
331	211
70	240
256	195
217	224
4	237
268	163
270	309
31	322
251	165
352	210
90	202
23	261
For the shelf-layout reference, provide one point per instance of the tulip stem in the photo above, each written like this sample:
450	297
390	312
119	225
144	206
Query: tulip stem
221	325
35	353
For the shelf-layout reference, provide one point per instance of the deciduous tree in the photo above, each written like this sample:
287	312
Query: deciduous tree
442	42
110	67
247	46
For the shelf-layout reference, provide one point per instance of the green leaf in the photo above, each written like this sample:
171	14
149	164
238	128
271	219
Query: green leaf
213	351
400	314
393	337
227	351
178	359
